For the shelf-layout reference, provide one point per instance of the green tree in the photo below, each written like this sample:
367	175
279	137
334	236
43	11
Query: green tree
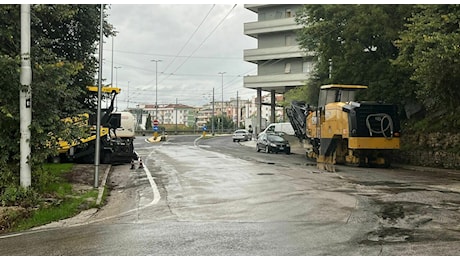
148	123
430	49
64	41
227	121
308	93
357	43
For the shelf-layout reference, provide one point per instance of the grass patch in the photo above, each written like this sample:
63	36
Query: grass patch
52	179
68	208
57	199
58	168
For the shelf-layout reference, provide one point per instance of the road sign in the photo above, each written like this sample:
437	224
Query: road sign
155	128
205	128
155	122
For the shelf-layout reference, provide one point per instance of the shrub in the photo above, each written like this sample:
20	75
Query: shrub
19	196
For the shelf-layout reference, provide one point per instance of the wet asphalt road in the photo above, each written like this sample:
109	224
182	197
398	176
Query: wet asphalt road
216	197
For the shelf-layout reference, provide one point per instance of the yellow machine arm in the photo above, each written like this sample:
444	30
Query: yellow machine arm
104	89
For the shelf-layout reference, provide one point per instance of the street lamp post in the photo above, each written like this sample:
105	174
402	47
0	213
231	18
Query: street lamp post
116	84
212	118
99	96
222	112
111	72
127	106
116	75
156	87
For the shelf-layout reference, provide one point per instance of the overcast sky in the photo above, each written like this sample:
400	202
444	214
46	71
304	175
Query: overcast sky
194	43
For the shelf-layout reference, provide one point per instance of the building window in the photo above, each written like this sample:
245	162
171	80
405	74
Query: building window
287	68
306	67
288	13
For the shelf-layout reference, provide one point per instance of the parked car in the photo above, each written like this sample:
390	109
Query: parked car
241	135
272	143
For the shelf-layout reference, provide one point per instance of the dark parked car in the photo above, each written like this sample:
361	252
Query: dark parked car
271	143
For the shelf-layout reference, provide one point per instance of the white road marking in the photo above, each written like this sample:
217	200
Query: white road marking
156	199
153	185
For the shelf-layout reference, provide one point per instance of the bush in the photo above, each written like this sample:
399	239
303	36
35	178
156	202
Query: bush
19	196
11	216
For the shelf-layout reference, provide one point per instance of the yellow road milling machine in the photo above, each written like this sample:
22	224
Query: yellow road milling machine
344	131
117	135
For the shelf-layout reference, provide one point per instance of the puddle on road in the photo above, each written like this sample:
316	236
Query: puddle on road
390	234
391	187
401	222
382	183
265	173
392	212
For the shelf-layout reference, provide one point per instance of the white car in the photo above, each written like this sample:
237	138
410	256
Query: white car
241	135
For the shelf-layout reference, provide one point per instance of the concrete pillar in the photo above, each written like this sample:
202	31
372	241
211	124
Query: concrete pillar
273	106
257	130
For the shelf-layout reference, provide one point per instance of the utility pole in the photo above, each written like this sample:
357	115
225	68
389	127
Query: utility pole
237	112
176	116
127	106
156	88
99	96
111	72
212	117
111	68
25	98
116	75
222	76
116	80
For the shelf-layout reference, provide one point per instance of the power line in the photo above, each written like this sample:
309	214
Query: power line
172	55
201	44
190	38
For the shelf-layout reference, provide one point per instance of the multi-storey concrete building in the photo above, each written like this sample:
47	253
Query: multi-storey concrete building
281	64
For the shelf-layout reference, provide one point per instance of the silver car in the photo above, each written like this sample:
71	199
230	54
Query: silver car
241	135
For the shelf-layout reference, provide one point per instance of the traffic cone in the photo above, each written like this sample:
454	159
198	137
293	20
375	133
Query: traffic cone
141	166
132	164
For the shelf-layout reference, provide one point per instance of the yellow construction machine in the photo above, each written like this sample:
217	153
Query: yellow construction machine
344	131
117	134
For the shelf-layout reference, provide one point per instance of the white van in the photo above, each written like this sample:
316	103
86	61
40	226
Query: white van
285	128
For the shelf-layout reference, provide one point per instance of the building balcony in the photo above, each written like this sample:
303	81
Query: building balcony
255	7
285	52
279	83
253	29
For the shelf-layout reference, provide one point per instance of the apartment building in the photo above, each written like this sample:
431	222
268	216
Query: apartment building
167	114
281	64
243	113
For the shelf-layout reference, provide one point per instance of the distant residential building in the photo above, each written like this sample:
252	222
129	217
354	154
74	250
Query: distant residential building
243	112
250	112
167	114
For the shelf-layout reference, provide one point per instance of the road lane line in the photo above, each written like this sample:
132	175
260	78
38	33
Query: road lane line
153	185
196	140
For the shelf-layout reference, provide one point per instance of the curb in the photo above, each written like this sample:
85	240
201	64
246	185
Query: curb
102	186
